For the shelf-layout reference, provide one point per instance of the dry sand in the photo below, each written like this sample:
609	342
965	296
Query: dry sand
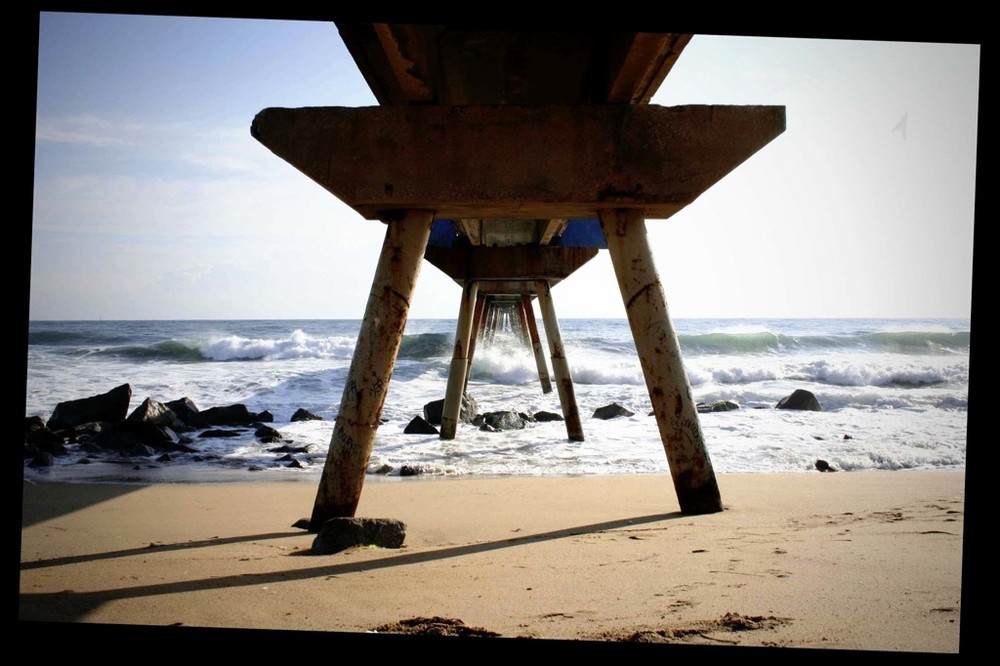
868	561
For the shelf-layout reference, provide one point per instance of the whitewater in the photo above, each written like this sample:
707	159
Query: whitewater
894	394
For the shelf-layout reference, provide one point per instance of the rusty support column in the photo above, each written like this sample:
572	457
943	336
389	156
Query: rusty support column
536	345
371	367
660	355
459	362
560	368
477	325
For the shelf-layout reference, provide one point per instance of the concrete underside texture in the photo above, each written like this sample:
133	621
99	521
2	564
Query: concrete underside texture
547	162
621	163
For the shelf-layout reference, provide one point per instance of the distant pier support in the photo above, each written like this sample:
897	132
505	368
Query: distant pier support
660	355
560	368
371	367
536	345
459	362
477	327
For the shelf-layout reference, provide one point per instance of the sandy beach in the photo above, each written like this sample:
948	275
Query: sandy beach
868	561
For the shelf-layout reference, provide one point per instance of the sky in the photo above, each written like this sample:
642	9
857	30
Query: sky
152	200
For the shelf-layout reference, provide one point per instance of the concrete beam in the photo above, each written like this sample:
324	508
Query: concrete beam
528	263
542	162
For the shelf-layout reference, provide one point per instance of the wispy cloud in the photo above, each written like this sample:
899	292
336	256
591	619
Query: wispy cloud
84	130
221	162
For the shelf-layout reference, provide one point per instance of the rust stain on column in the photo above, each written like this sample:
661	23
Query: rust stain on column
660	356
371	367
560	368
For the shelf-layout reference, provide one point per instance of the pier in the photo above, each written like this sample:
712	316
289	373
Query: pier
508	159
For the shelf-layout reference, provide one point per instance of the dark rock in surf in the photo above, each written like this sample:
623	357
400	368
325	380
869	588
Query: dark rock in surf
53	447
611	411
800	399
824	466
498	421
42	436
718	406
267	434
42	460
84	432
339	534
139	451
232	415
107	407
305	415
125	434
467	414
418	426
187	412
151	411
208	434
543	417
265	417
91	447
290	449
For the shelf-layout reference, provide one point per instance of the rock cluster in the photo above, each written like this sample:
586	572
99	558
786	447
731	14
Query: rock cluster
102	426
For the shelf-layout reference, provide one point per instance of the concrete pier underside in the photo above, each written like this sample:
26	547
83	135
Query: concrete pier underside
519	155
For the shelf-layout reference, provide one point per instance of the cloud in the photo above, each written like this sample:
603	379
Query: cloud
82	130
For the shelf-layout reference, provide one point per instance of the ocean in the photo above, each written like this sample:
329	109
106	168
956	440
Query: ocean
894	394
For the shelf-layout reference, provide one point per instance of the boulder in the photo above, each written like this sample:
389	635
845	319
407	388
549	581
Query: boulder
467	414
717	406
187	412
418	426
43	437
32	423
232	415
290	449
800	399
111	406
216	432
305	415
611	411
151	411
126	434
267	434
497	421
824	466
42	460
265	417
548	416
339	534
